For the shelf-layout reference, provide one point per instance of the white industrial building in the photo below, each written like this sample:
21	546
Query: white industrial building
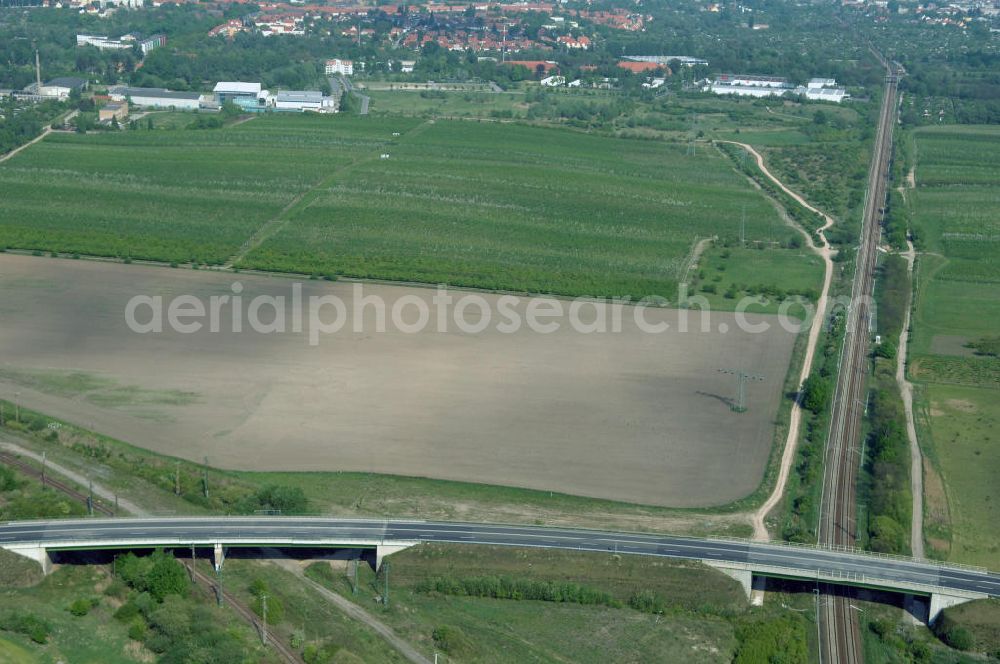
553	81
746	90
742	80
302	101
57	88
821	83
103	42
338	66
685	60
835	95
158	98
818	89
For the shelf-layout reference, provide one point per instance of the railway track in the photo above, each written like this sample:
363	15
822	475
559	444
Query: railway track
283	650
840	636
47	480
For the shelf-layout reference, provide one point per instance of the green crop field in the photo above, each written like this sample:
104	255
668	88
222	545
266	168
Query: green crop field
171	196
472	104
520	208
474	204
954	209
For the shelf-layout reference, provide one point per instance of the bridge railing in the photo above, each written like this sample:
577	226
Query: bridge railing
856	551
855	578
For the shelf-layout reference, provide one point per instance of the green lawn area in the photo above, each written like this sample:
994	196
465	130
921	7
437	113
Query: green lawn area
472	104
697	619
960	427
743	271
302	611
954	210
92	639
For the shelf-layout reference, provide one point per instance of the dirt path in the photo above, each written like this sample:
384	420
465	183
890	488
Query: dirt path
15	151
906	391
45	132
105	493
696	252
824	251
356	612
276	223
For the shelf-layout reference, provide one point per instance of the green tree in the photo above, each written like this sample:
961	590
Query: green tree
815	393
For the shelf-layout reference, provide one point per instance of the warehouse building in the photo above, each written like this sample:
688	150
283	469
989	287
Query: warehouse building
58	88
157	98
247	96
303	100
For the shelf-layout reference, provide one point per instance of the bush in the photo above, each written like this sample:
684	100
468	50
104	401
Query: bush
81	607
647	601
276	498
815	394
452	640
127	611
158	574
957	637
775	640
319	653
137	631
29	624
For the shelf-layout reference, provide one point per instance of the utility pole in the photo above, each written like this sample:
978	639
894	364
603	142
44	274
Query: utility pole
1	414
43	468
743	226
38	72
17	407
355	586
205	480
263	624
218	587
177	478
385	596
193	560
90	499
741	381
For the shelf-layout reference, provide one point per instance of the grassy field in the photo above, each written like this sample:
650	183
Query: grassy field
454	104
94	638
960	427
303	615
954	212
648	610
477	204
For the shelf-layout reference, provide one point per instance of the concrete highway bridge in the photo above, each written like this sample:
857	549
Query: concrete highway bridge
944	584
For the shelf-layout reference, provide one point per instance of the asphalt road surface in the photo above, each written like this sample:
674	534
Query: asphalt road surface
303	531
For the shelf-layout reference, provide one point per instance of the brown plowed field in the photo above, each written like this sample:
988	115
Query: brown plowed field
629	416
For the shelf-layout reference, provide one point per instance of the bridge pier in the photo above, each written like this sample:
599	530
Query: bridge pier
742	575
941	601
218	556
37	553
